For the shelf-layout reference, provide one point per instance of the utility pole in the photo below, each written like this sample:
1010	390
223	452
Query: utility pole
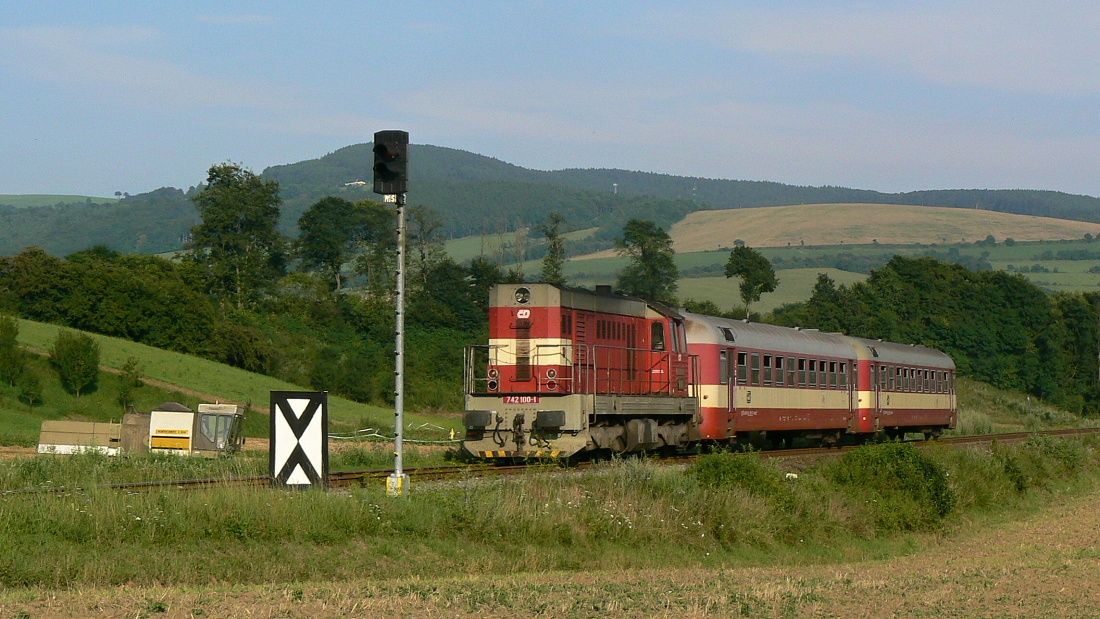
391	159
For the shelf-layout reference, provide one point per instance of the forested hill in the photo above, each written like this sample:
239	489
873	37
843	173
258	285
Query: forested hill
475	194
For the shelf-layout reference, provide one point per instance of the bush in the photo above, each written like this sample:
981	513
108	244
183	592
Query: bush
76	357
745	471
29	387
903	488
11	357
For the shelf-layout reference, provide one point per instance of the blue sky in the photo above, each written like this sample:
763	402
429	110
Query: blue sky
120	96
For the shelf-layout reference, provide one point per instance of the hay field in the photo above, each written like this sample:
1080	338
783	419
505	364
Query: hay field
833	224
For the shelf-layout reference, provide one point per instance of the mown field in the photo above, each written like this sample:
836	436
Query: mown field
833	224
195	379
40	199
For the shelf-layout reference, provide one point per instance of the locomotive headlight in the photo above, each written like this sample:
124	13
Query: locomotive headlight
551	373
493	373
493	385
523	296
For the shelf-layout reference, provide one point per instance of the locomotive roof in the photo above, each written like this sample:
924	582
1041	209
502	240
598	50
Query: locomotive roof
712	330
602	300
907	354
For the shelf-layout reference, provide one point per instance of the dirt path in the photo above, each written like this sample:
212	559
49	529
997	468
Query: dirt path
1047	565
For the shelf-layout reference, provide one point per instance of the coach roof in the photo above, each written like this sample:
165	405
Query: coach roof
905	354
712	330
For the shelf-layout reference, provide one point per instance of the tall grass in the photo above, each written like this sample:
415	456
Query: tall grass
633	514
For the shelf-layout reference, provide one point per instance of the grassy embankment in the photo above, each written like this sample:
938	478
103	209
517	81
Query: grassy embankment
727	511
724	511
192	380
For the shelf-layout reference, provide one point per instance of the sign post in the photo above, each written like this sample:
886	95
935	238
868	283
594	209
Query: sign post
391	157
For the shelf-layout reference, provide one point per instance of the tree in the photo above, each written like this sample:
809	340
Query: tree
11	357
424	244
555	250
129	381
76	358
29	388
756	273
651	273
329	229
237	241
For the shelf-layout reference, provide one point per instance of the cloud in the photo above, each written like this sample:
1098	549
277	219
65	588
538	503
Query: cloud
113	62
1048	48
719	135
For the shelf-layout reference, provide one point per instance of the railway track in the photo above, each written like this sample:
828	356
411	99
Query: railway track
351	479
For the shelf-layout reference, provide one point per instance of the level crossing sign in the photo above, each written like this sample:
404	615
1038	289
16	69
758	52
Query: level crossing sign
298	452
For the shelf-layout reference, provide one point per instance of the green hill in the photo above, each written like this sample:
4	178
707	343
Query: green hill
30	200
192	379
479	195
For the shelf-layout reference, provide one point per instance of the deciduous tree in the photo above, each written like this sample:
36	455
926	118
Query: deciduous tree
652	272
756	273
76	358
555	250
237	241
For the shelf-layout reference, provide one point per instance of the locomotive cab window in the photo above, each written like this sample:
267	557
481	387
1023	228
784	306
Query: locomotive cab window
658	335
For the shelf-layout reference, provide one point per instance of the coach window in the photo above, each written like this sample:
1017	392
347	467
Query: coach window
791	365
883	371
843	374
658	336
832	374
767	369
822	371
779	370
723	367
802	372
742	368
927	382
813	372
755	360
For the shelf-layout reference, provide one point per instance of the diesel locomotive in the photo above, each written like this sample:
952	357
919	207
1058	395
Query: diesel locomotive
570	371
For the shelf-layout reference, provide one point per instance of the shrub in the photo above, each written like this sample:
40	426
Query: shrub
29	388
745	471
904	488
76	357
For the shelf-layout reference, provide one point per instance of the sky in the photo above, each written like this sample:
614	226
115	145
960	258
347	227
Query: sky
894	96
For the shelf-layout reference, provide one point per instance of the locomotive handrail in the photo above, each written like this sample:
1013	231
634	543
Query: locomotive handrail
585	369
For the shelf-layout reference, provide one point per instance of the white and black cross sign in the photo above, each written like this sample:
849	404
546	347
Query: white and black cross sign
299	438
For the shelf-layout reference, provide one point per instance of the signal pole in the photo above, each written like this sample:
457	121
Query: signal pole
391	157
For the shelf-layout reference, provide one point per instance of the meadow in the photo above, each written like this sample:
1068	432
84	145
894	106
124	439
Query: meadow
204	380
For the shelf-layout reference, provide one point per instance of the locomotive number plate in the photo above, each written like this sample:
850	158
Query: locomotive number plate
521	399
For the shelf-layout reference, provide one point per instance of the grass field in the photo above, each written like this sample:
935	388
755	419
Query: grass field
833	224
32	200
230	384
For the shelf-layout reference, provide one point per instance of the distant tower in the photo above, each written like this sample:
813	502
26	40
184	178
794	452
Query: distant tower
614	189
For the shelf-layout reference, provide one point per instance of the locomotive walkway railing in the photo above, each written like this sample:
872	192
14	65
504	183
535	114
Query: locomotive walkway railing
553	369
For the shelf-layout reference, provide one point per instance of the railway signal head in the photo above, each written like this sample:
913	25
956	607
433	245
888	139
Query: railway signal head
391	162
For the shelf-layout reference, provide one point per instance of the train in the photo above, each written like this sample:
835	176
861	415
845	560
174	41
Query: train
570	372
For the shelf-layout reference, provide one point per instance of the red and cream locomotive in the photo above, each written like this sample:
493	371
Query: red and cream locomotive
568	371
